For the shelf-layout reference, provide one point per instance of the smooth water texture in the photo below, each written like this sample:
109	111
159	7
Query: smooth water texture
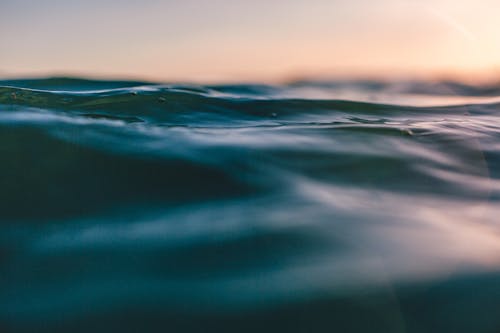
309	207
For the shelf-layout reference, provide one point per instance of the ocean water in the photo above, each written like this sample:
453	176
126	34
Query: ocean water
347	206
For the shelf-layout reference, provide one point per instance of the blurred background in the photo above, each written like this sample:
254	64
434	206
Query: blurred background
265	41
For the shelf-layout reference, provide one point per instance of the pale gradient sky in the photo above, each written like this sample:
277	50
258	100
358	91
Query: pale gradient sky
231	40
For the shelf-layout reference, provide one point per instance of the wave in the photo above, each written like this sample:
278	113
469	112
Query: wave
133	205
182	105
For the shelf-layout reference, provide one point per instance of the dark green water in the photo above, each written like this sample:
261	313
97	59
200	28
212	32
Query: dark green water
309	207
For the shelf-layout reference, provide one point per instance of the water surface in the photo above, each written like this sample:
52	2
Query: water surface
309	207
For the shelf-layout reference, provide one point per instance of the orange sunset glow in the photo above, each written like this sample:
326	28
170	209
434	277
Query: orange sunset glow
250	41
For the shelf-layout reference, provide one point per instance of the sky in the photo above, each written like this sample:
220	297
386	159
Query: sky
257	40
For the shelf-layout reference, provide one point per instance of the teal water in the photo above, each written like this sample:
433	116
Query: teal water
355	206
